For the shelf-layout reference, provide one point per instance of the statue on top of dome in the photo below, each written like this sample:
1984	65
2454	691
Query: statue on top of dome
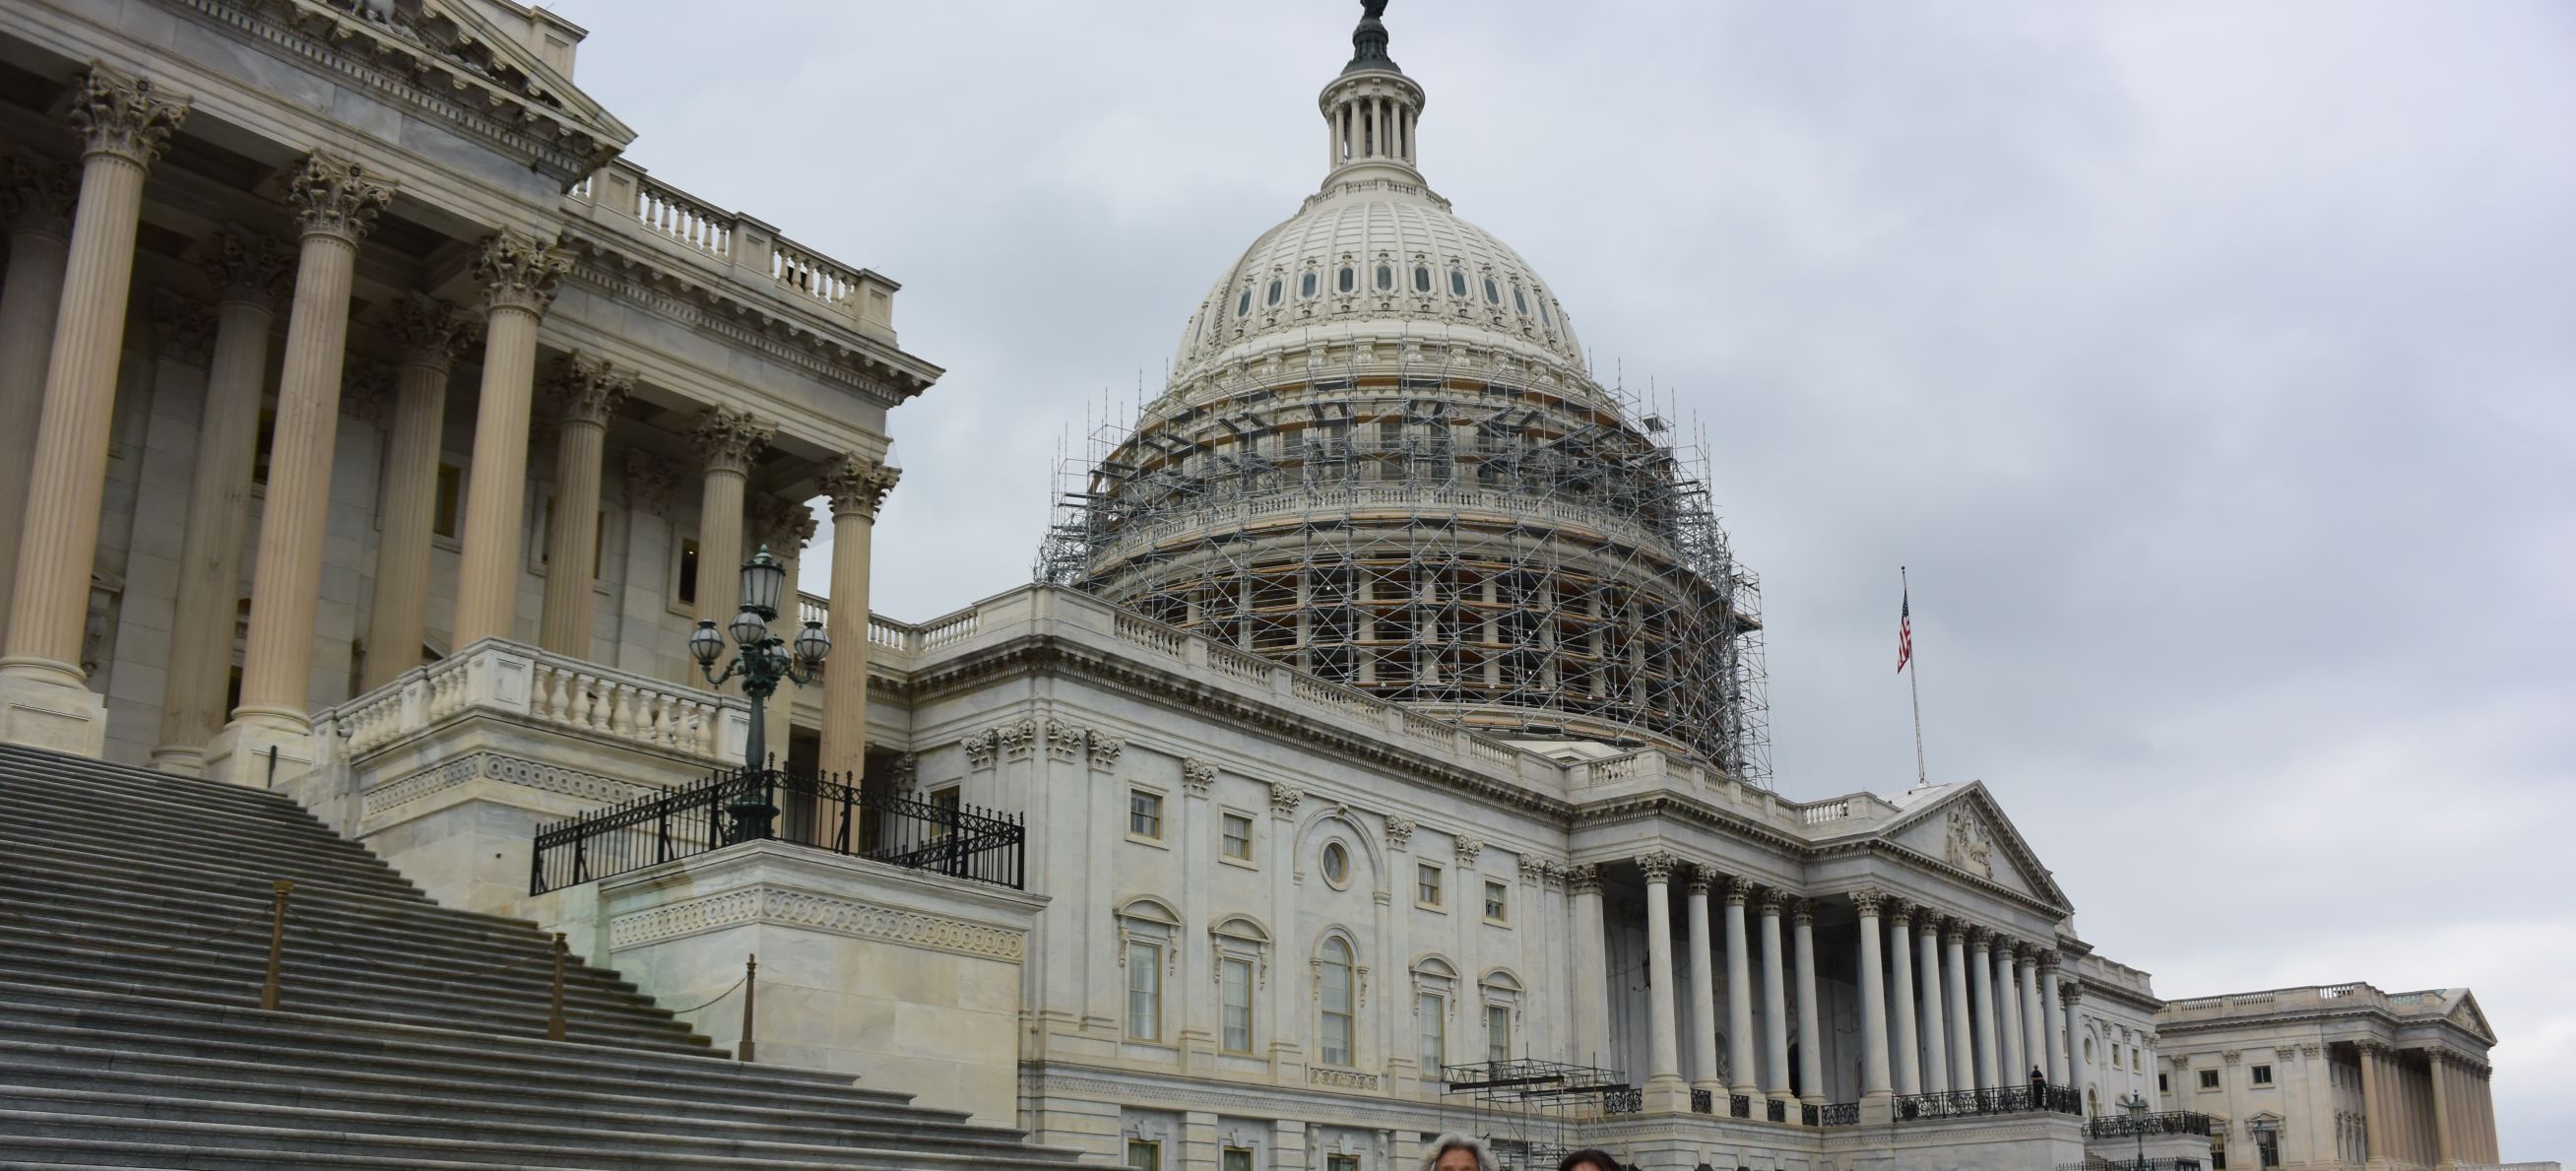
1369	40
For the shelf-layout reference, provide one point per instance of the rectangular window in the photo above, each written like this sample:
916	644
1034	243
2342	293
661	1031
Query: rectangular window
1144	1156
1238	1159
1498	1032
1498	903
1144	991
1144	814
2209	1079
2164	1083
445	512
1341	1163
2217	1153
1435	1053
1426	884
1234	987
2262	1075
1238	837
687	588
1337	1015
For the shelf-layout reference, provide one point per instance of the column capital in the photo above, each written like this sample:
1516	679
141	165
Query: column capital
586	388
38	195
2371	1045
519	271
1929	923
1980	939
122	115
247	267
650	481
1954	930
335	197
1399	830
1739	891
1868	902
1701	879
1584	879
427	331
2026	953
2070	990
728	440
1773	900
1802	912
183	329
2048	962
858	485
1284	799
367	392
1659	865
780	525
1898	914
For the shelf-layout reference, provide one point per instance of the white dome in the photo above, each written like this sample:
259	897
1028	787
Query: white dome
1383	260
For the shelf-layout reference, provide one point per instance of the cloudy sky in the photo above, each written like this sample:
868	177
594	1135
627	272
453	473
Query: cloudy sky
2208	362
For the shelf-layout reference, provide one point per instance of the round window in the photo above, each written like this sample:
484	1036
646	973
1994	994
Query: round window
1275	288
1457	282
1243	308
1385	277
1346	280
1337	864
1306	284
1493	292
1422	278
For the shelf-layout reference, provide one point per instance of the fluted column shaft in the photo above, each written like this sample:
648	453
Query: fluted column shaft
1739	992
2009	1055
430	334
337	204
250	272
1775	1002
1663	1054
590	391
2033	1027
2374	1095
2445	1126
1703	991
1591	977
126	124
1873	999
1963	1027
1936	1035
1981	971
728	440
857	485
40	199
518	273
1904	1043
2078	1076
2053	1016
1811	1055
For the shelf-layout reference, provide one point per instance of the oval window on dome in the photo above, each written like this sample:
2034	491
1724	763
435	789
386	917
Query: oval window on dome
1422	278
1306	284
1385	277
1519	301
1457	282
1275	289
1243	308
1346	280
1543	317
1493	292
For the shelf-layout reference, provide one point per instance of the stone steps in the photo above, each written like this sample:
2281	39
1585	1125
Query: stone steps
397	1043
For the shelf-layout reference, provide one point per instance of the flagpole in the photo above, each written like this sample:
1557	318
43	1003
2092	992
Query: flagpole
1915	685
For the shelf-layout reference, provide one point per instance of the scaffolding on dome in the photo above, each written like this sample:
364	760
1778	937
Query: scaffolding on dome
1522	1107
1541	562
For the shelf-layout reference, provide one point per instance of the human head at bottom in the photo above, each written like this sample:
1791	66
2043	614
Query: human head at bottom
1457	1152
1589	1159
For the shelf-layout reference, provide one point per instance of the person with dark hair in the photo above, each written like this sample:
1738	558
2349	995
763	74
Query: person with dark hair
1589	1159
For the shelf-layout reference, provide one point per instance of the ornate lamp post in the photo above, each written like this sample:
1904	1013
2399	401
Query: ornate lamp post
2136	1105
763	659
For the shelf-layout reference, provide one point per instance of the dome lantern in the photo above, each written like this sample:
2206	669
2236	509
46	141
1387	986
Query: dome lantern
1371	111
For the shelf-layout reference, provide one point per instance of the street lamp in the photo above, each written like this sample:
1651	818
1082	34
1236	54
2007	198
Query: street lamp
2136	1105
762	660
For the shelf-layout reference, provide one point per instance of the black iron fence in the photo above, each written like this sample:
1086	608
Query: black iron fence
1703	1102
1830	1114
1739	1106
2169	1122
2132	1165
978	845
1624	1102
2030	1099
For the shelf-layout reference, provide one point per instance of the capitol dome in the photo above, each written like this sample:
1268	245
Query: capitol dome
1382	458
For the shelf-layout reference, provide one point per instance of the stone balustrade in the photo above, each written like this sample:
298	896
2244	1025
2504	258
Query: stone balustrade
542	688
733	248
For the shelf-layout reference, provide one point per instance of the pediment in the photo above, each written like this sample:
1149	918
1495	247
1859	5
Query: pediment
2469	1016
1967	831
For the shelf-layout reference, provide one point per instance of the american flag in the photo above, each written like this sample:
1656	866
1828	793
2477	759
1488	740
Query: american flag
1904	630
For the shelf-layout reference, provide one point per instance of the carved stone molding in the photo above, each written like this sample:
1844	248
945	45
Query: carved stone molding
1017	739
248	268
729	440
1739	891
510	770
1659	865
1802	912
980	747
2048	963
651	482
1340	1079
1980	939
1064	741
2231	1056
1284	799
1774	900
1105	751
1867	902
828	914
781	526
121	115
906	775
38	196
1953	931
1702	880
858	485
1584	879
1196	776
1468	848
1533	870
519	271
335	197
1552	877
1900	917
183	330
586	388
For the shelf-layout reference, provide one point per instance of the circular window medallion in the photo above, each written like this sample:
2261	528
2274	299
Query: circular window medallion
1337	864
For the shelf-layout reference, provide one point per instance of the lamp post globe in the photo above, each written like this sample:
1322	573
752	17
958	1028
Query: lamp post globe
2136	1106
763	660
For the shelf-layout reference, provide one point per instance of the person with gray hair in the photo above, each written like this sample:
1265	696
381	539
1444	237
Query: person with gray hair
1457	1152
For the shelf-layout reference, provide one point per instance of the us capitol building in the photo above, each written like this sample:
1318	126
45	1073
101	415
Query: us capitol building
1379	752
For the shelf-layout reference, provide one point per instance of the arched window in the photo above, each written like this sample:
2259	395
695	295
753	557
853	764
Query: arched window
1422	278
1306	284
1346	280
1457	282
1243	308
1333	973
1276	288
1519	302
1385	278
1493	292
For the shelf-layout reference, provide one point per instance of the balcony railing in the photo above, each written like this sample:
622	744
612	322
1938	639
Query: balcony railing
1739	1106
2030	1099
1703	1102
2169	1122
1624	1102
741	248
960	842
2132	1165
1830	1114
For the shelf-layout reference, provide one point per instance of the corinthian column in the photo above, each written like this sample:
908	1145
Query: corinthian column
858	487
335	204
728	440
44	700
36	202
2053	1016
1663	1056
1981	970
2033	1025
1591	944
1775	1002
1873	1001
429	334
589	391
518	273
1703	989
1936	1034
2009	1069
1900	954
1739	993
252	274
1963	1027
2078	1078
1811	1051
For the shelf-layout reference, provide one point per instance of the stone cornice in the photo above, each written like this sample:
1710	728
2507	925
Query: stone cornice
765	903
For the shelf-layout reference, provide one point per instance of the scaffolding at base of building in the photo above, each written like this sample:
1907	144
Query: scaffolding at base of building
1523	1108
1537	560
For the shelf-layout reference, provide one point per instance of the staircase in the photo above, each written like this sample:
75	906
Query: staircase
407	1034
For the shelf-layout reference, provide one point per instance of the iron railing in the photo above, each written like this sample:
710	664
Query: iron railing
1830	1114
2132	1165
2030	1099
1777	1111
978	845
1703	1102
1739	1106
2169	1122
1624	1102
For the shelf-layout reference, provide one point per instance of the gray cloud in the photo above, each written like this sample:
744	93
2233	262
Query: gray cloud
2208	363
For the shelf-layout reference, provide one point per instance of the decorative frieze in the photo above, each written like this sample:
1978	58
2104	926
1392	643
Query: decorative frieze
829	914
1340	1079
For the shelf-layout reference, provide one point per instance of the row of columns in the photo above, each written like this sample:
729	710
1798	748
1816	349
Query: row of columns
61	325
2450	1120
